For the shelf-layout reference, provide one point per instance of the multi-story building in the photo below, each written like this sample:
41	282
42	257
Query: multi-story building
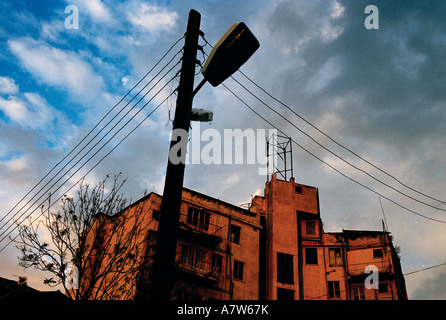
301	261
276	249
217	250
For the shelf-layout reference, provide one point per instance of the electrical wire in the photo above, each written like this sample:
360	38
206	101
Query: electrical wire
345	148
92	130
336	142
123	108
103	137
432	198
106	155
97	150
424	269
405	274
330	166
339	144
98	143
333	153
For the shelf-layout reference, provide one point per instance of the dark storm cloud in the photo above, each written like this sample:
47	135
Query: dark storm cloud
383	86
380	92
393	78
432	289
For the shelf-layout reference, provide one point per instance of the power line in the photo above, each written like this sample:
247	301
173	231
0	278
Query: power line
368	162
91	131
95	146
329	165
333	153
342	146
405	274
328	150
98	134
79	152
424	269
85	163
339	144
106	135
106	155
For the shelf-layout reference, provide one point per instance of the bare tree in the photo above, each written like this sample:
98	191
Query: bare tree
94	246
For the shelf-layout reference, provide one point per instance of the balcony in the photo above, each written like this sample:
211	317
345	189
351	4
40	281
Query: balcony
199	272
357	271
200	232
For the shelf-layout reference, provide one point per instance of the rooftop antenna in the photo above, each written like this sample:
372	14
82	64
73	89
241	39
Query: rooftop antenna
279	155
384	222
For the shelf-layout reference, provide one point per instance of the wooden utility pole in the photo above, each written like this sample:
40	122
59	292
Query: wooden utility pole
163	268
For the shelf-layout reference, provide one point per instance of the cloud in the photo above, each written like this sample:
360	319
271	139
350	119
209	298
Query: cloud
151	17
431	288
327	73
124	80
337	11
17	164
96	9
8	86
14	109
33	112
381	93
58	68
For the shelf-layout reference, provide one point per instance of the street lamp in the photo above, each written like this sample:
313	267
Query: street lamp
235	48
230	53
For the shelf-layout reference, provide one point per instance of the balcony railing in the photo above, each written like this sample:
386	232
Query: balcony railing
199	270
358	269
207	234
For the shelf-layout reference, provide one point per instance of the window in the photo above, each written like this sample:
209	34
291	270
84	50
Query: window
377	253
235	234
298	189
333	290
311	255
382	287
217	262
200	259
187	255
358	293
335	258
310	227
285	268
238	269
193	257
198	218
285	294
155	214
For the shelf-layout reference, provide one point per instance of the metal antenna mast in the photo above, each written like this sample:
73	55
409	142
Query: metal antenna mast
279	154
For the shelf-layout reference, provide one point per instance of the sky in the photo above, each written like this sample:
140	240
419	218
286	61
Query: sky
379	92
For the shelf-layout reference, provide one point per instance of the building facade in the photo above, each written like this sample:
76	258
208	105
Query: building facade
301	261
275	250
